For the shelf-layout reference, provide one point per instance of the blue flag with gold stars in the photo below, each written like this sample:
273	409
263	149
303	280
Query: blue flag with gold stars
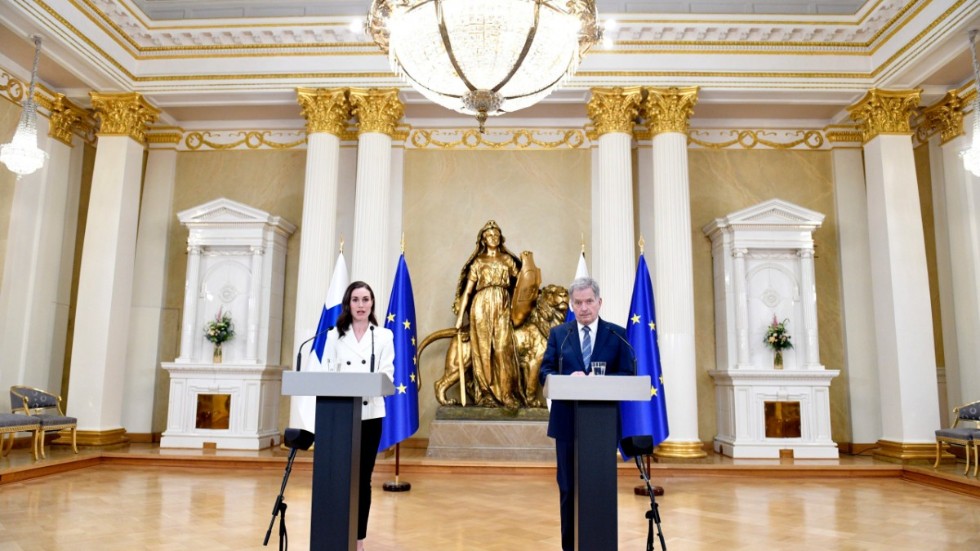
645	418
401	418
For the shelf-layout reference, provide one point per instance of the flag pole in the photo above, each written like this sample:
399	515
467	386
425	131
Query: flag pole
641	489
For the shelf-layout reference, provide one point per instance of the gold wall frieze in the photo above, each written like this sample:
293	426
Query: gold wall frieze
614	109
669	109
806	139
125	114
164	137
885	112
325	110
496	139
849	134
376	110
226	140
11	87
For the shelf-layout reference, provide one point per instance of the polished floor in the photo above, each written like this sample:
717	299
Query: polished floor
141	497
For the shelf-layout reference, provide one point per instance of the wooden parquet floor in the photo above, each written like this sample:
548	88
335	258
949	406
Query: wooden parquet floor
142	504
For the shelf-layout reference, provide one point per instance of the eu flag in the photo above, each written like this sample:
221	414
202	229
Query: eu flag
650	417
401	418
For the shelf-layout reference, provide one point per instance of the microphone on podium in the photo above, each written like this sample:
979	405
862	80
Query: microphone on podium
299	351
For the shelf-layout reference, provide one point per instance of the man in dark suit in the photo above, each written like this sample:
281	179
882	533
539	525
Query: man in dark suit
572	346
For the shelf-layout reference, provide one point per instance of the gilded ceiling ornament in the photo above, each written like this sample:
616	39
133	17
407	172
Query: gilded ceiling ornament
377	110
325	110
65	117
614	109
946	117
669	109
123	114
885	112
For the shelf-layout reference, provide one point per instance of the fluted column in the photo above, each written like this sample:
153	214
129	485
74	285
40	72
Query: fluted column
741	310
36	288
105	281
957	192
808	301
377	113
149	283
326	112
254	306
191	290
903	312
613	111
667	112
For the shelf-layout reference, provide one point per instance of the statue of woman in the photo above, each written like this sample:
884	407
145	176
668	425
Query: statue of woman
485	286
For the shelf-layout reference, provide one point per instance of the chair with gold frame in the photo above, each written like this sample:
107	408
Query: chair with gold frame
11	424
46	408
964	432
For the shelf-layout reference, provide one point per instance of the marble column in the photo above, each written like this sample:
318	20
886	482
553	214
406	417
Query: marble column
902	307
377	113
148	310
105	281
613	112
668	112
860	360
36	289
956	199
326	112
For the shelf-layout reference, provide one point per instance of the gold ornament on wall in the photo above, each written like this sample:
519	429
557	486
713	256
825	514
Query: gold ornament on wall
124	114
376	110
669	109
885	112
614	109
325	110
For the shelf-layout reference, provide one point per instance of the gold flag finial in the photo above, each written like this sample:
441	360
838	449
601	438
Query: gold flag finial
341	244
403	242
641	243
583	242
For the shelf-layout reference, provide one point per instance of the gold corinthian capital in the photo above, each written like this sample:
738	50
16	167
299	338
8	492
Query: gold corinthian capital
614	109
669	109
885	112
377	110
123	114
946	116
325	111
65	117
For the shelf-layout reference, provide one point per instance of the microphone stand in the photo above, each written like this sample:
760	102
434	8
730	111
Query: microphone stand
299	351
280	508
653	515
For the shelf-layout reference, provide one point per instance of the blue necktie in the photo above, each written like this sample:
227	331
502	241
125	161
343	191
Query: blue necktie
586	347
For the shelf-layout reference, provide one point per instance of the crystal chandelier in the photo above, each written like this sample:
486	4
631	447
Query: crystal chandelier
484	57
22	155
971	157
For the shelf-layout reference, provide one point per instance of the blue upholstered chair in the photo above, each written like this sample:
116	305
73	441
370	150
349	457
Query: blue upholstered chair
964	432
46	408
11	424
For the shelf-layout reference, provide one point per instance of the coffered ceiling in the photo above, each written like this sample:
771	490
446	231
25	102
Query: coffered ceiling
207	62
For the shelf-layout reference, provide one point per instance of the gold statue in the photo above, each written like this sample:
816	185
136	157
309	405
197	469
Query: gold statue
509	320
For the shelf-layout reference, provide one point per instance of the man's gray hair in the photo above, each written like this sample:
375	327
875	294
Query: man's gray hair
583	283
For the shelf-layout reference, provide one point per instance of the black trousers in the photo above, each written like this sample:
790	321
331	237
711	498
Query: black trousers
370	439
565	453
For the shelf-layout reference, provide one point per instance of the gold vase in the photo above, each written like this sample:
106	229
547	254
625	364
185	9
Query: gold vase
217	354
777	360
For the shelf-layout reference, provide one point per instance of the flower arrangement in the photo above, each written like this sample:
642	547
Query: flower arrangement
220	329
777	337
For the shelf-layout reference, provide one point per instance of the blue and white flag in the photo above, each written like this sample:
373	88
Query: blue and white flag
401	418
581	271
645	418
332	306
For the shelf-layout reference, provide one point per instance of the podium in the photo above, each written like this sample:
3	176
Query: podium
337	443
596	405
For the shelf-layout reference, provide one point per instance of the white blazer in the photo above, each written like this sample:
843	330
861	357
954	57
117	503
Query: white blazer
348	354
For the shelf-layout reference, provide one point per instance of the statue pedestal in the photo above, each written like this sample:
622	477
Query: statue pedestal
487	433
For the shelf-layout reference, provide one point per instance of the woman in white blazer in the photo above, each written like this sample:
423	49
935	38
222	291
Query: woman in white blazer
357	344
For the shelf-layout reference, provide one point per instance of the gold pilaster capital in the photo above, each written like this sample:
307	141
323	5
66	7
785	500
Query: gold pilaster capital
325	110
669	109
65	118
614	109
885	112
124	114
376	110
946	117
